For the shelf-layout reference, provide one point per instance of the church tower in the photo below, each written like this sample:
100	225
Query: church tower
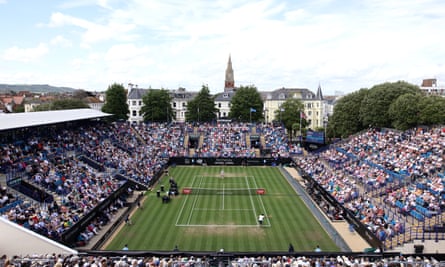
229	83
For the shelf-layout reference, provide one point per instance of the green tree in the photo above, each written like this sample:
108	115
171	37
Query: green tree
345	120
246	104
432	110
116	102
202	107
157	106
375	105
80	94
404	111
60	104
42	107
289	115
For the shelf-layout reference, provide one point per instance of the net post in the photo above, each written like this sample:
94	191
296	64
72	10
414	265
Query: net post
186	191
261	191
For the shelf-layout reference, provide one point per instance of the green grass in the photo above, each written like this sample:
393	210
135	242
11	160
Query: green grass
211	222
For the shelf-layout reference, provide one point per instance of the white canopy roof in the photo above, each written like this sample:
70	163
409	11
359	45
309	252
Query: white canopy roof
10	121
17	240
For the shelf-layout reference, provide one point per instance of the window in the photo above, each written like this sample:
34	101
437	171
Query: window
134	114
133	103
219	105
281	96
183	104
140	103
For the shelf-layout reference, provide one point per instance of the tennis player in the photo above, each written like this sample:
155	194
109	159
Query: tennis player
261	219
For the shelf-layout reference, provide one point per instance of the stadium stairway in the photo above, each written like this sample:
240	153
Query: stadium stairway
201	141
2	180
263	141
191	152
138	136
186	140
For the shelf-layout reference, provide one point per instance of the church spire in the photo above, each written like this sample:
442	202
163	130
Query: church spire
319	93
229	83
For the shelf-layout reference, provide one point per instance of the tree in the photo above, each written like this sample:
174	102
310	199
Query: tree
345	120
375	105
246	104
116	102
404	111
432	110
290	114
62	104
157	106
80	94
202	107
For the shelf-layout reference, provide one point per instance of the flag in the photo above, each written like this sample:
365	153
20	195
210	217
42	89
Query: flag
252	110
302	115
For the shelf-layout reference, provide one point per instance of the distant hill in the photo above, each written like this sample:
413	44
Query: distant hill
35	88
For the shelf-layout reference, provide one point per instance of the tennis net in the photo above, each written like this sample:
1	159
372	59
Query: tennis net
223	191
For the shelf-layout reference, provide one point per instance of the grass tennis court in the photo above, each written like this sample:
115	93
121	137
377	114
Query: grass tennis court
218	202
223	212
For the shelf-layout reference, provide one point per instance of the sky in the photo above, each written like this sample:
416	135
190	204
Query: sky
341	45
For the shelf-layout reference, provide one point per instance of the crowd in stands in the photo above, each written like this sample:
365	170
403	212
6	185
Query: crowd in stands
277	141
45	161
405	170
49	159
5	197
225	140
178	260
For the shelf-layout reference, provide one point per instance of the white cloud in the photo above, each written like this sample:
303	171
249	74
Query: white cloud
59	40
274	43
25	54
93	32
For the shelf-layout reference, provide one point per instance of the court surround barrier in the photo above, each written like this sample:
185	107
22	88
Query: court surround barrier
244	161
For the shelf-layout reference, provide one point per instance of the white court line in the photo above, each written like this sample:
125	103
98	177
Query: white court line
220	225
193	206
201	182
262	204
223	198
204	209
251	201
183	205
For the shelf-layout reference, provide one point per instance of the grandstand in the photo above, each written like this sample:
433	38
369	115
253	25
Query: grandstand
68	175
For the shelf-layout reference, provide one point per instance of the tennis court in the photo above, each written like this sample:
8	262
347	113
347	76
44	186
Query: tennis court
216	201
222	211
